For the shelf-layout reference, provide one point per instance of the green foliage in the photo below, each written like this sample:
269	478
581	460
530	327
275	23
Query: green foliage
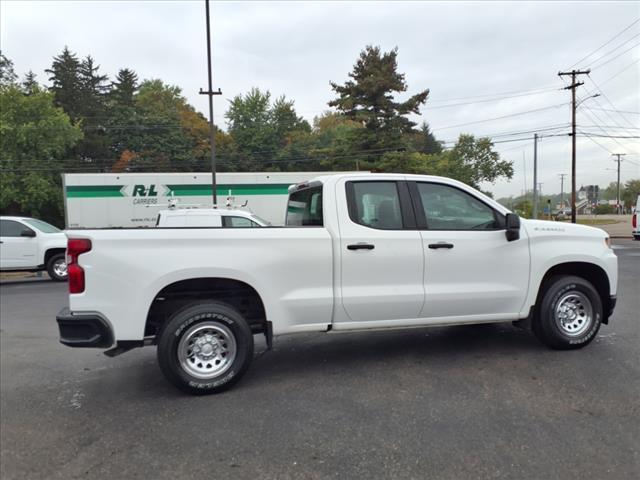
66	84
471	161
84	121
368	98
604	209
30	84
7	74
124	88
424	140
524	208
474	161
630	192
34	138
262	130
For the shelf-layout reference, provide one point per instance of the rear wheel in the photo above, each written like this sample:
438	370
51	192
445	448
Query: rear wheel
205	348
57	268
570	313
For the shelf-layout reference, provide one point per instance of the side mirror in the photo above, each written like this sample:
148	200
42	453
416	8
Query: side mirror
27	232
513	227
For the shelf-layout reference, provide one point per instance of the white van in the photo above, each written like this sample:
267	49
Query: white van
208	217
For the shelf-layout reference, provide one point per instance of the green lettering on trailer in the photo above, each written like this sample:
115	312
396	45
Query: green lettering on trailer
94	191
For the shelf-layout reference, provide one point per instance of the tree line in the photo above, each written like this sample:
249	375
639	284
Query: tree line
80	120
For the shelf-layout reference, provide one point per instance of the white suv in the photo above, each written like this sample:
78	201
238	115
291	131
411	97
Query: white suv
31	245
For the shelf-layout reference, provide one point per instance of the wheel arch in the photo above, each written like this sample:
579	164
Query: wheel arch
176	295
50	252
589	271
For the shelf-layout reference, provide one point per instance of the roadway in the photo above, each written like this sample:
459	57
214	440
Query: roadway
458	402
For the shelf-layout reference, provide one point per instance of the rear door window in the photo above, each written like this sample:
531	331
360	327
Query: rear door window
304	208
375	204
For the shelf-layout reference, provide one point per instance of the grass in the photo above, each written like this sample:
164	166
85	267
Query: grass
596	221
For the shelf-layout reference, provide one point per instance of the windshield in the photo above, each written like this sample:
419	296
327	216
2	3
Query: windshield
44	227
260	220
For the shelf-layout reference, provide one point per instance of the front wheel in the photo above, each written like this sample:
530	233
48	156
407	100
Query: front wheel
205	348
570	313
57	268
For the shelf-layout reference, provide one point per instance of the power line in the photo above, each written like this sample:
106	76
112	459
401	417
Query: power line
500	117
614	49
607	42
589	134
512	92
600	145
600	127
437	107
621	71
619	55
607	99
630	112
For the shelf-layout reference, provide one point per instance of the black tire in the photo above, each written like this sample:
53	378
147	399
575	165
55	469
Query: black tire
552	330
636	237
53	270
203	315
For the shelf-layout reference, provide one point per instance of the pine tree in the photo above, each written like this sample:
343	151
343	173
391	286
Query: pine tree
124	88
66	83
94	87
427	142
30	84
7	74
368	100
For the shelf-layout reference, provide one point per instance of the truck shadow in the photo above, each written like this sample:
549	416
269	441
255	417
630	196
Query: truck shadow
433	347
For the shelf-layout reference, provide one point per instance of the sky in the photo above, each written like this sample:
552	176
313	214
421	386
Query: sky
491	67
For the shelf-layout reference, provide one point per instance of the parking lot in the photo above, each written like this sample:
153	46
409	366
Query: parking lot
483	401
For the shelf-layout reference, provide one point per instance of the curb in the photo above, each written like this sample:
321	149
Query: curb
22	281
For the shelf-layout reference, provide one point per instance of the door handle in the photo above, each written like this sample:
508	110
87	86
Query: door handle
435	246
361	246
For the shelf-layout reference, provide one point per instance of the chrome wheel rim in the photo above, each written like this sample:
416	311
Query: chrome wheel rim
574	313
207	350
60	268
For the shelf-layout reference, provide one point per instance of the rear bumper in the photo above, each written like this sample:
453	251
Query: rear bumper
84	330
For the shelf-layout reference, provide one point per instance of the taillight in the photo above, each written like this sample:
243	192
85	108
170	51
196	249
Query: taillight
634	221
76	247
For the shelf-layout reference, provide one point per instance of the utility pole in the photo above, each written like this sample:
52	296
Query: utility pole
535	176
524	166
562	175
573	87
618	193
211	93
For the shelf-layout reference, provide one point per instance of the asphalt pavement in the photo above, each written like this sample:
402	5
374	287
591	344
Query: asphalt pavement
458	402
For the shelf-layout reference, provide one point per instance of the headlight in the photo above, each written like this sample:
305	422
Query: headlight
607	242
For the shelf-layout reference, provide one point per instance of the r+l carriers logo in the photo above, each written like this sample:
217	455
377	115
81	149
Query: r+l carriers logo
143	194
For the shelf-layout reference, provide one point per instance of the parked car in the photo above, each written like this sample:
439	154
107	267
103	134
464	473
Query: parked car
359	251
29	244
635	224
209	217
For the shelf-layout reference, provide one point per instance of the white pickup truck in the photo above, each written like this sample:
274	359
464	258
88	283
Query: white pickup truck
31	245
359	251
